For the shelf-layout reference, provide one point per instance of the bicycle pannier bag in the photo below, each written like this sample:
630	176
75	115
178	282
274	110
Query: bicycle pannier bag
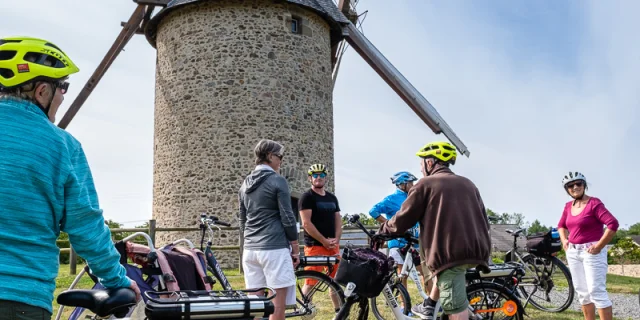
368	269
544	243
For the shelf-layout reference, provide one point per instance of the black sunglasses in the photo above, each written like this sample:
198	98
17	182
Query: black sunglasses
579	184
63	86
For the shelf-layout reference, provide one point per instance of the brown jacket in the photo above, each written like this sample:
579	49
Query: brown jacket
454	229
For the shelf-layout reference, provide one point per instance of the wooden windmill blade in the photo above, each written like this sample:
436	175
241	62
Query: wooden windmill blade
135	25
401	86
418	103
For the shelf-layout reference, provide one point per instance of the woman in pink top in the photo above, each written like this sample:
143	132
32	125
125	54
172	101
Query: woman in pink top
584	241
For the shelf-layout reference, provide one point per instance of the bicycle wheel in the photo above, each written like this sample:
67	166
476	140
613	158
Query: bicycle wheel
384	312
544	274
492	301
325	296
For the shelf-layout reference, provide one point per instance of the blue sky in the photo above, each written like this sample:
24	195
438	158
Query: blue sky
534	89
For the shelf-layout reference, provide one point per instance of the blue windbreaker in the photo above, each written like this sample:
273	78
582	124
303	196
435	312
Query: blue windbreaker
389	206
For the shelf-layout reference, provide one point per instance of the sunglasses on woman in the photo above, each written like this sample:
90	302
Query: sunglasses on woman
578	184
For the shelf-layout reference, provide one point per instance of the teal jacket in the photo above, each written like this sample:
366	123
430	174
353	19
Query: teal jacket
46	187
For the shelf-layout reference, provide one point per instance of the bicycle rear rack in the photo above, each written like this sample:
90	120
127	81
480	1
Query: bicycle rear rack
228	304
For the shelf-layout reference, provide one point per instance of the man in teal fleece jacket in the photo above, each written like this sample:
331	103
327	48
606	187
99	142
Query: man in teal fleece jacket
45	184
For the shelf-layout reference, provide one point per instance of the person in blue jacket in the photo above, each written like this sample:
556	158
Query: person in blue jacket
46	186
387	208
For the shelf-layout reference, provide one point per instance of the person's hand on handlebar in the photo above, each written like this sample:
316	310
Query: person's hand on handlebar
134	287
378	240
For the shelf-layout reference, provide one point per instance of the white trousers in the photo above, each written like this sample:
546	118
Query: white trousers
589	275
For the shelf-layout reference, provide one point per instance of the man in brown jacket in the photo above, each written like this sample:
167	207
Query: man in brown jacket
454	228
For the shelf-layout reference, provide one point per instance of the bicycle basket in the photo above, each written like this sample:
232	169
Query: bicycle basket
368	269
543	243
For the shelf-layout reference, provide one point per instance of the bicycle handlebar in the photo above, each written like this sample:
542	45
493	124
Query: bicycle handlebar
213	220
355	219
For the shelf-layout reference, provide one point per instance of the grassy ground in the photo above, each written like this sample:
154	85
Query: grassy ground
615	284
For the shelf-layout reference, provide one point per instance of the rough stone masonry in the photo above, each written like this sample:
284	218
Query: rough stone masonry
229	73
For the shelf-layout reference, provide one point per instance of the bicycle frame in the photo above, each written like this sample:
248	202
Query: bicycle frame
409	271
211	258
513	254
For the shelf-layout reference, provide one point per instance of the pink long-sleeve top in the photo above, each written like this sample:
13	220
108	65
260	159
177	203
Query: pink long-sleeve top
588	225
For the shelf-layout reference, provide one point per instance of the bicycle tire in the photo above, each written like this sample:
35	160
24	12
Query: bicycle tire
320	277
567	274
504	292
405	297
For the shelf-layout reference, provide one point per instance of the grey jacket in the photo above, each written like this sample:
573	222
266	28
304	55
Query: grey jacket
266	217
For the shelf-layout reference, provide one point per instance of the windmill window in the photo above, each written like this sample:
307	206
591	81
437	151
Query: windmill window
295	25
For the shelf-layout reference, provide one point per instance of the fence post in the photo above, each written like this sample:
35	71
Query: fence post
72	260
241	249
152	231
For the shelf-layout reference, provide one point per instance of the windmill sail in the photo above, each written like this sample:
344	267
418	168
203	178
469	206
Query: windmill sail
401	85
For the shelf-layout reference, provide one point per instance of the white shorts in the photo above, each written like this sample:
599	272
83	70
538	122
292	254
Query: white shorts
395	254
270	268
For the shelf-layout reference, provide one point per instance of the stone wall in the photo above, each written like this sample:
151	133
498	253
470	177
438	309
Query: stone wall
230	73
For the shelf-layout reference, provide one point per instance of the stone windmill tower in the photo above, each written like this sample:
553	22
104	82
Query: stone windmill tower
230	72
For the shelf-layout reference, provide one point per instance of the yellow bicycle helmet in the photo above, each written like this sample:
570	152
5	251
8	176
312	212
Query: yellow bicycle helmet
24	60
315	168
441	150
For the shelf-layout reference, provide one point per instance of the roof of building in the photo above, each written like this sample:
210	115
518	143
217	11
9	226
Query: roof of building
503	241
325	8
635	239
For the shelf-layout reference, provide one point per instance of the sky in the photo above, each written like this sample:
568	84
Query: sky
534	89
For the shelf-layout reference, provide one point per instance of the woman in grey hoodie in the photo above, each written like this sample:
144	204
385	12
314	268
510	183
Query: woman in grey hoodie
267	221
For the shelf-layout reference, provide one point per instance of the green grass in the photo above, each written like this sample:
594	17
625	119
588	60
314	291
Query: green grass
615	284
622	284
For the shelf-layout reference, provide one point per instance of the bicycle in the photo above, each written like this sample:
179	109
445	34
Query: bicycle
304	301
203	304
408	271
479	290
540	269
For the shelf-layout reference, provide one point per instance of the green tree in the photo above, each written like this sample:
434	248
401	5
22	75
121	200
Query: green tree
625	251
366	219
517	219
536	227
634	230
620	234
492	214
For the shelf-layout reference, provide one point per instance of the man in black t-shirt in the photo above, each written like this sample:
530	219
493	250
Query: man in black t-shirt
322	223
